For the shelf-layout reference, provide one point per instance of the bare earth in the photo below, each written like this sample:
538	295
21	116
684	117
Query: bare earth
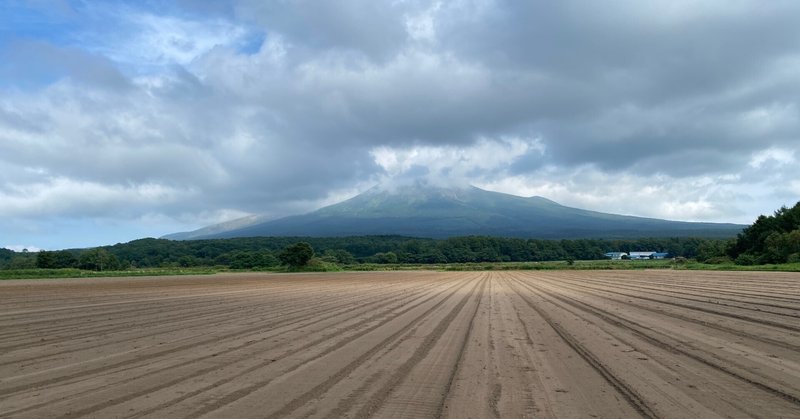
404	344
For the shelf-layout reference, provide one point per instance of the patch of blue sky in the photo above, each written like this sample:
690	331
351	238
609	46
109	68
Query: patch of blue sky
21	20
25	27
252	43
149	35
78	233
139	37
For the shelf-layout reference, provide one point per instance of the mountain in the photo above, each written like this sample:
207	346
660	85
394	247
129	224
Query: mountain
217	228
424	211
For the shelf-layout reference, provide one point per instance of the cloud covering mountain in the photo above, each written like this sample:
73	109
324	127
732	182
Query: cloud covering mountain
127	119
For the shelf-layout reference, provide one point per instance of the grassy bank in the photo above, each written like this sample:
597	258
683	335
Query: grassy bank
781	267
78	273
521	266
551	265
486	266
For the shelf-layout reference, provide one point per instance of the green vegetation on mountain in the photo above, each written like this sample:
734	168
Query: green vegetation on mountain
431	212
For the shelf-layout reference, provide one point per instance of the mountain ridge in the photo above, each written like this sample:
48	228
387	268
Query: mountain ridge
435	212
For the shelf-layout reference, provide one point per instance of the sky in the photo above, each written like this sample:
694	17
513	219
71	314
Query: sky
122	120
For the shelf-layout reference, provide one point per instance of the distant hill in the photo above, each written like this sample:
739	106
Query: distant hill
423	211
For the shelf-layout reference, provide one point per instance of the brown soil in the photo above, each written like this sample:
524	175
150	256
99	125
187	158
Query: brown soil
404	344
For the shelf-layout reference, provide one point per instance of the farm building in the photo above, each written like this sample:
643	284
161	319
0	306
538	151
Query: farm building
636	255
615	255
641	255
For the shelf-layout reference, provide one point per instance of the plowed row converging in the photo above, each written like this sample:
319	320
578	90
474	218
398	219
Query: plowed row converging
403	344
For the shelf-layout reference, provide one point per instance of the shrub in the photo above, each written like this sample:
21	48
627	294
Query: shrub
319	265
718	260
388	257
746	259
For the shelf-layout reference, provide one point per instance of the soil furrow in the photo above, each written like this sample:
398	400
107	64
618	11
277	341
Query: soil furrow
297	323
647	333
330	381
660	343
376	401
701	322
682	296
624	390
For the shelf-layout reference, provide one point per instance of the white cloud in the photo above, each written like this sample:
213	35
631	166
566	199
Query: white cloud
63	196
445	165
773	156
700	198
422	26
20	247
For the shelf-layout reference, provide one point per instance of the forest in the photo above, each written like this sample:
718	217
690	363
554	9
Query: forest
265	252
770	239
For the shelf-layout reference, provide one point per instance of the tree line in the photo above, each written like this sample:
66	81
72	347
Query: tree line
770	239
267	252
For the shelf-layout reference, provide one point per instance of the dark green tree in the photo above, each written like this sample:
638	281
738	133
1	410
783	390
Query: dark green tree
65	259
388	257
710	249
343	256
22	261
5	257
770	239
296	255
45	260
187	261
98	260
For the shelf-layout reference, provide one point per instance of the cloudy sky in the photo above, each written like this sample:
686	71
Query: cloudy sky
121	120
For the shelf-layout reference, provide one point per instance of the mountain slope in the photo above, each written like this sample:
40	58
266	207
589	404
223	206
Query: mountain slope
422	211
217	228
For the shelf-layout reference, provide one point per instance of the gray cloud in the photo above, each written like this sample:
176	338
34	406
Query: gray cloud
566	96
43	62
375	29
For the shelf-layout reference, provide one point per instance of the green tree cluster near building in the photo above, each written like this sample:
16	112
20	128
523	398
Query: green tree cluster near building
771	239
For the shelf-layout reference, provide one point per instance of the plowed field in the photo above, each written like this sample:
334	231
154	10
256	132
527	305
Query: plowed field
404	344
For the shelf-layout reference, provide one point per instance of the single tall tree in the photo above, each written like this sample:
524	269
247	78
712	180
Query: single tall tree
296	255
